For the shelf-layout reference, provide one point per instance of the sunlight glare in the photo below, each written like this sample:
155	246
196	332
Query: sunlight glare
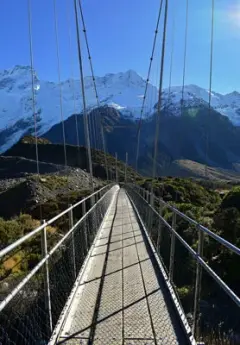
233	15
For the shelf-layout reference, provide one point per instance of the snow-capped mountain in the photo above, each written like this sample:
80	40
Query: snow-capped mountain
123	91
193	95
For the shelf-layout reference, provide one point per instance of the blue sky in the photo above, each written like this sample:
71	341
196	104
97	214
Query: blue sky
120	37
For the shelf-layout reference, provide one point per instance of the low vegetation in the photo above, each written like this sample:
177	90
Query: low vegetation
24	258
35	199
217	206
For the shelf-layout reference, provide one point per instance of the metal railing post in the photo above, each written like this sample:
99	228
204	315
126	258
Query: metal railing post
151	199
172	249
198	283
116	170
144	194
126	163
159	238
70	215
150	220
148	197
47	292
85	226
147	209
92	201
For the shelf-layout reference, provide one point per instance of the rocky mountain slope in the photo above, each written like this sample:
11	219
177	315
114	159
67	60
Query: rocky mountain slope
180	137
195	96
21	189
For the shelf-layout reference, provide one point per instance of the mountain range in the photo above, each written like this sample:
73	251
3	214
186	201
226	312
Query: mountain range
183	126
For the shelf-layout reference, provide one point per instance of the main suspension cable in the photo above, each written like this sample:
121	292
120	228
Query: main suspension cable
147	83
95	89
85	115
33	93
95	132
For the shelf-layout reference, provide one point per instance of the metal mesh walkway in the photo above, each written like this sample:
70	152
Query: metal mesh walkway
121	298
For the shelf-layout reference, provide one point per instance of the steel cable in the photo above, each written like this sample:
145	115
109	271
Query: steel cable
96	93
147	83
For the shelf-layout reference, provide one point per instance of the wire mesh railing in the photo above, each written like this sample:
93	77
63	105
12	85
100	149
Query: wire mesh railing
31	304
185	249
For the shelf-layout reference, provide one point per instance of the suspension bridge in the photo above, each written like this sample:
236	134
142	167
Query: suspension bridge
113	277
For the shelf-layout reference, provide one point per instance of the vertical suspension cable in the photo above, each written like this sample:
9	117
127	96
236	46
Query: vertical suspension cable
184	57
95	90
156	73
168	164
147	83
33	93
32	80
59	82
85	117
159	95
172	52
210	87
72	79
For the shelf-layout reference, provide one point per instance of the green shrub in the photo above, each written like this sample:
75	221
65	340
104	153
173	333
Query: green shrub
232	199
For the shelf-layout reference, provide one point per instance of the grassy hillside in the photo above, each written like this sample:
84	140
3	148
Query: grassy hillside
76	157
188	168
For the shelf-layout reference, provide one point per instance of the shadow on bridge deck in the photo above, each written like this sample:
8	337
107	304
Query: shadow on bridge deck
121	297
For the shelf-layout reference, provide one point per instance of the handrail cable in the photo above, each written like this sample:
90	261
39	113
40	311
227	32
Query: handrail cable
193	222
36	268
21	240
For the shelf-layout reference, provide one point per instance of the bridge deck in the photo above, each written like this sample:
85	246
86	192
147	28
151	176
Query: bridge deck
120	298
